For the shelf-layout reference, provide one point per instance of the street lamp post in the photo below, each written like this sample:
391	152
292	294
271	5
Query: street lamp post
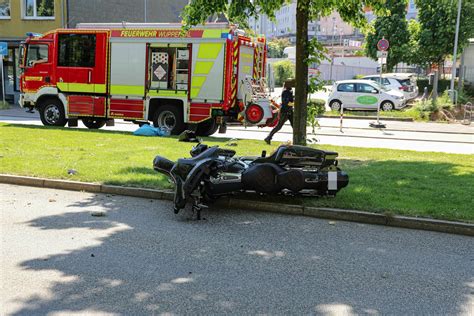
332	46
456	36
145	5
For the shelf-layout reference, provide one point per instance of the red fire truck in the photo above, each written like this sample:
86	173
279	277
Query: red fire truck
96	73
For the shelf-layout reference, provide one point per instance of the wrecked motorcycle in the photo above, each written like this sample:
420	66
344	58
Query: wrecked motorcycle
213	172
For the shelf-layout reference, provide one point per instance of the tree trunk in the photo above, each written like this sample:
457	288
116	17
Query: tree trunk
301	111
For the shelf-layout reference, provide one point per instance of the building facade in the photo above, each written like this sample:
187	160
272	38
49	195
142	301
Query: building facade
284	25
18	17
116	11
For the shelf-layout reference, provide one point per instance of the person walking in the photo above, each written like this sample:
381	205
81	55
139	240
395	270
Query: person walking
286	111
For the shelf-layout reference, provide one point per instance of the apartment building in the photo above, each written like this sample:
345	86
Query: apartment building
17	17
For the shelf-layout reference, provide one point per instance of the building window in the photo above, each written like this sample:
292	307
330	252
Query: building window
4	9
76	50
38	9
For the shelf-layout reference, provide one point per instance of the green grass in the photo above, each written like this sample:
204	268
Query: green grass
410	112
4	105
388	181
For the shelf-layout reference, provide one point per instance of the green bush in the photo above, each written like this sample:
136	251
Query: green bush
428	107
316	108
443	85
283	70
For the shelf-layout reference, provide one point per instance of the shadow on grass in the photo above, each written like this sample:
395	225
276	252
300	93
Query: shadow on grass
141	259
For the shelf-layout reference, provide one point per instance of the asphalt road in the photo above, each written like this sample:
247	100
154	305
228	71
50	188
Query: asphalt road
142	259
449	138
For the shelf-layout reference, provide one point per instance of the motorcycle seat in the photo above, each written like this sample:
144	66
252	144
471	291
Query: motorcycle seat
211	152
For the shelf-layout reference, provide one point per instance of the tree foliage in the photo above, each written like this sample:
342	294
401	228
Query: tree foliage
438	25
238	11
276	47
394	28
283	70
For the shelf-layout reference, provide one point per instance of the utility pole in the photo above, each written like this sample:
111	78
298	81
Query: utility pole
332	46
145	4
456	36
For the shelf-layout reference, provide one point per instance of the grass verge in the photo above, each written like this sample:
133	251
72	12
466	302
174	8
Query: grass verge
388	181
410	112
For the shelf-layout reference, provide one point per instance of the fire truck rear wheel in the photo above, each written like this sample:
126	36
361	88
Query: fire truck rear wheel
207	128
169	117
52	112
93	123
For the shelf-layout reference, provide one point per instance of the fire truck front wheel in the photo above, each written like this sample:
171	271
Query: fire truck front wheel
169	117
52	112
93	123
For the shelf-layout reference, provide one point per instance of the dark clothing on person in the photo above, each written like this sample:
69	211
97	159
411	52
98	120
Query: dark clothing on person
286	97
286	113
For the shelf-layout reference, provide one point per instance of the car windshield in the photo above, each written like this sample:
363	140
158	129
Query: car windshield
379	86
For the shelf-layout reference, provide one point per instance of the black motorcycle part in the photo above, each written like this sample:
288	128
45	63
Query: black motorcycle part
198	149
299	157
163	165
262	178
292	180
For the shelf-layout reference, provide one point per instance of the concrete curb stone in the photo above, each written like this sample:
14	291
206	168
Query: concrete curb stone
235	202
72	185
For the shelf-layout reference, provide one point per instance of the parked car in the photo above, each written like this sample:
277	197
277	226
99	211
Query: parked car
398	81
364	95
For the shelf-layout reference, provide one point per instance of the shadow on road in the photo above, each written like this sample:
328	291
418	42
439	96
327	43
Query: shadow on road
147	260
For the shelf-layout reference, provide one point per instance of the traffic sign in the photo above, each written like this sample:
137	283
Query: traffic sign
382	54
383	44
3	48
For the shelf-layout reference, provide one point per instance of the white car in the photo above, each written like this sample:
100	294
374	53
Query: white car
364	95
403	82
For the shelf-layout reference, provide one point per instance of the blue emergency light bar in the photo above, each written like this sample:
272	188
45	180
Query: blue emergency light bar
31	34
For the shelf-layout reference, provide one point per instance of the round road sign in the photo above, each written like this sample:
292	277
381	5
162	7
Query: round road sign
383	44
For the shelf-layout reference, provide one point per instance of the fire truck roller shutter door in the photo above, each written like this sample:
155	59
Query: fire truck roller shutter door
208	72
127	69
246	61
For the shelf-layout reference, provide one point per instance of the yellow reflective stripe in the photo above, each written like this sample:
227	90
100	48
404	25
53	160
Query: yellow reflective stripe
168	93
28	78
99	88
212	33
209	50
197	81
81	87
127	90
195	92
203	67
62	86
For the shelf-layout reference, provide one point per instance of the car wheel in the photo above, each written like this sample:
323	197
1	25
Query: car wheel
169	117
335	105
52	113
387	106
93	123
207	128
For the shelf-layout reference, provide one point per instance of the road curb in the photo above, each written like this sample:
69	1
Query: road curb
235	202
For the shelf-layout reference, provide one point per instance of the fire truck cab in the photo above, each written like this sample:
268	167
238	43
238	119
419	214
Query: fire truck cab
199	79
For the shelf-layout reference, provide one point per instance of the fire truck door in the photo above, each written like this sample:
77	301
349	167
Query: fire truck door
82	62
38	66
